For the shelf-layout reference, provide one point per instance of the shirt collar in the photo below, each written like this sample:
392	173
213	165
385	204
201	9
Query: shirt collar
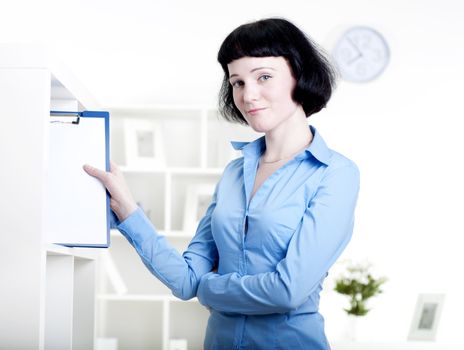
317	148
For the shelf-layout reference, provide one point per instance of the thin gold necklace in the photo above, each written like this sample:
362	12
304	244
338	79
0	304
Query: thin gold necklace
275	161
278	160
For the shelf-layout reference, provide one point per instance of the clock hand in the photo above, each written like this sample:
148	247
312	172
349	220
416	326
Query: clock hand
354	59
354	45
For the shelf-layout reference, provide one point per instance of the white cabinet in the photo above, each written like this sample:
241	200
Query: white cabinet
69	298
47	291
134	306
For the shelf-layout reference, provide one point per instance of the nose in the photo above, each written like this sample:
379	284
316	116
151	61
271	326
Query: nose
250	93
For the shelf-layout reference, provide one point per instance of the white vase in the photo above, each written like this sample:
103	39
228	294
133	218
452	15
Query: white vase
351	327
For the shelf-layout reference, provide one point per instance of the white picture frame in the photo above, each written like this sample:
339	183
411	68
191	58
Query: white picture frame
197	199
426	317
106	344
144	144
178	344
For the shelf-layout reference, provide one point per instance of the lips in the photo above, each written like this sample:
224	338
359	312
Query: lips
255	110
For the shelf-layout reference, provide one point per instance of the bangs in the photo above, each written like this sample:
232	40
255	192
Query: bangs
253	40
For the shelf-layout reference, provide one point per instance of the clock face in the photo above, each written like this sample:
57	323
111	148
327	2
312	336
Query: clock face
361	54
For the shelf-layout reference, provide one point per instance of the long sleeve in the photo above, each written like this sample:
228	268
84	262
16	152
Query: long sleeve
180	273
323	232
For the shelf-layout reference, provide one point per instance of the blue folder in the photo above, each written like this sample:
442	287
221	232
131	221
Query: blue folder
78	205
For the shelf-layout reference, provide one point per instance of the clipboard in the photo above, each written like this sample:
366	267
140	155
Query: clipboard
78	205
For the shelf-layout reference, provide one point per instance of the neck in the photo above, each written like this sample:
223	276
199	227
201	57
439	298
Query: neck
287	139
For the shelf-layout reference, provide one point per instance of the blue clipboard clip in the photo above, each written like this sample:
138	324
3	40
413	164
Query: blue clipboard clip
76	115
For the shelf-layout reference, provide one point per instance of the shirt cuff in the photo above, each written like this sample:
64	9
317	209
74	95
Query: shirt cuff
137	226
201	291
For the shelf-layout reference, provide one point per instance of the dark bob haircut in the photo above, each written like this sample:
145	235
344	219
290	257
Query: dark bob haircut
314	75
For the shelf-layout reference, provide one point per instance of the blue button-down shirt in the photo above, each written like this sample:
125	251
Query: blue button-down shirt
272	252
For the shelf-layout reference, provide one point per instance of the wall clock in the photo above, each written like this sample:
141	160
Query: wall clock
361	54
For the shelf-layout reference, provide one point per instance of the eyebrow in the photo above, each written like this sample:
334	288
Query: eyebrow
253	70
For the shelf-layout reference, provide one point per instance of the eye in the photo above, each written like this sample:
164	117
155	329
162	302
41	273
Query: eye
236	84
265	77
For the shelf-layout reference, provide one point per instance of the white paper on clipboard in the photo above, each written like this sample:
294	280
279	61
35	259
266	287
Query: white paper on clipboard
77	204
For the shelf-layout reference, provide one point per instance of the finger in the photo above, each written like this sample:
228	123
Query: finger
99	174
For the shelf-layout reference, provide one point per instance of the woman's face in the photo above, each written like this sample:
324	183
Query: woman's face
262	91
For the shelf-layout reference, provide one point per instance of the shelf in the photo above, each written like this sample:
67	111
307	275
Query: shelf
165	314
83	253
175	171
135	324
143	297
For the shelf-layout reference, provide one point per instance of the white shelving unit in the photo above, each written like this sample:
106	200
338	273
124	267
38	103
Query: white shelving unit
47	296
69	298
196	146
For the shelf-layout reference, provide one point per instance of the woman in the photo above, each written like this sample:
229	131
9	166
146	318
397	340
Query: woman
280	215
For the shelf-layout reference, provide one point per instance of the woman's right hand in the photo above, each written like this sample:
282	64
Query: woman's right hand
121	202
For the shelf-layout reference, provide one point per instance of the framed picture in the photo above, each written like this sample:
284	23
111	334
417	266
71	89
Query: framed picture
197	199
106	344
178	344
426	317
143	144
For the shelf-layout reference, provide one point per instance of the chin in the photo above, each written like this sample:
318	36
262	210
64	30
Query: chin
259	125
259	128
263	127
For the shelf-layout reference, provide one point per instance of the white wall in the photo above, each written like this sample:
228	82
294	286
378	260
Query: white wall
403	130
